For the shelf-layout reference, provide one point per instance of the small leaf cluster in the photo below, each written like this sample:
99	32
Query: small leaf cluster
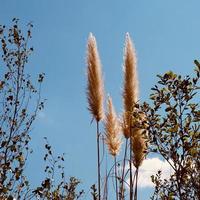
51	188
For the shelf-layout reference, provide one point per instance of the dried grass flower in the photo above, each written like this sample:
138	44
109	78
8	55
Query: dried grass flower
95	86
112	129
130	90
138	147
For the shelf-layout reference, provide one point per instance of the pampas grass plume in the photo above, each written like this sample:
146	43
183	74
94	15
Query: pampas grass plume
139	147
112	129
130	90
130	94
95	87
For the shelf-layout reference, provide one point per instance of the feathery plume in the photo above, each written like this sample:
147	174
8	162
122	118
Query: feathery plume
95	91
112	129
138	146
139	139
125	124
130	91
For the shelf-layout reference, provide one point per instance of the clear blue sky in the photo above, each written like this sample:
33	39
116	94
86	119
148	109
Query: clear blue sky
166	34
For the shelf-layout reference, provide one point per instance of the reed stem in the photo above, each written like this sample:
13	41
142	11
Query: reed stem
123	171
116	178
98	162
136	183
130	167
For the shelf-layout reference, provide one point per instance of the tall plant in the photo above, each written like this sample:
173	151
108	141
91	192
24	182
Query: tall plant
174	134
95	94
113	137
17	115
135	143
20	102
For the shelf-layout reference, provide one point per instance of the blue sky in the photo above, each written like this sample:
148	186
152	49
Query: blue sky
166	36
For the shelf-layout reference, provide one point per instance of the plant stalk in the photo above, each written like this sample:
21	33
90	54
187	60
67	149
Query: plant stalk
98	162
136	183
131	178
123	171
116	178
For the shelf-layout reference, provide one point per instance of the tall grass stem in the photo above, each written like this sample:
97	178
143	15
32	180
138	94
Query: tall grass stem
116	177
123	171
98	162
